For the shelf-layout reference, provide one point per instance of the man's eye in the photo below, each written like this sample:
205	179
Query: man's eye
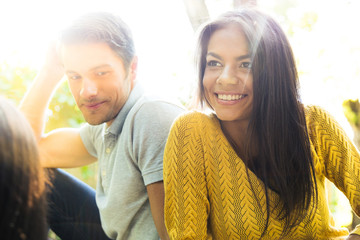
245	65
214	64
101	73
74	77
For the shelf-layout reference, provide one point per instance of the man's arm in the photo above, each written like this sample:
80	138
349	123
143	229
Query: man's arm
63	147
37	98
353	237
156	198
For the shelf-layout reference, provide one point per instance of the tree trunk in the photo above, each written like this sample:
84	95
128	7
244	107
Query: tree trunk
197	12
244	3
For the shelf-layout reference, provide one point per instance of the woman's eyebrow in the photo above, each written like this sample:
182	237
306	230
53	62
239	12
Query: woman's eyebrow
214	55
242	57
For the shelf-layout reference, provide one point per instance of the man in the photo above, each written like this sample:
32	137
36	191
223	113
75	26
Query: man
126	133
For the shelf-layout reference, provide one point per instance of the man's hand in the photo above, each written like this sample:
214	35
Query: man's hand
52	64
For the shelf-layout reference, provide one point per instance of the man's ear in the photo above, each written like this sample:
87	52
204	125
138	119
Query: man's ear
133	70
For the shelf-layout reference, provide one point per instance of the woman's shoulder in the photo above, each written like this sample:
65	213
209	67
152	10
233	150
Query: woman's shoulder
313	110
316	113
196	122
195	116
317	118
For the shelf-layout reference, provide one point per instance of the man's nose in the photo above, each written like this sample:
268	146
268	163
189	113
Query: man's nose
89	88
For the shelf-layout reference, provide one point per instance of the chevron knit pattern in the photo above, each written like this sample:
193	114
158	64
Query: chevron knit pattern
208	194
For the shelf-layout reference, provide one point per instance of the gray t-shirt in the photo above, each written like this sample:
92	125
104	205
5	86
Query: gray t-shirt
130	154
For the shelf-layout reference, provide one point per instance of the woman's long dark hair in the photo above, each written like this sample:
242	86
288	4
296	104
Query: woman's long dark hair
22	188
277	125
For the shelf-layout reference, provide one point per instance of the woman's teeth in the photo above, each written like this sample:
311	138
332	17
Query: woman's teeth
228	97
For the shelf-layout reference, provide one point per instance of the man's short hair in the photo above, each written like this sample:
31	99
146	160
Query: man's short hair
102	27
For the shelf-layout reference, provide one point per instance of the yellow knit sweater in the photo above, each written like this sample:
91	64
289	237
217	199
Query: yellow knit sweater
208	194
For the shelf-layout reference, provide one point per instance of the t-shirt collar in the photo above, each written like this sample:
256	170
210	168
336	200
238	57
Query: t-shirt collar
116	126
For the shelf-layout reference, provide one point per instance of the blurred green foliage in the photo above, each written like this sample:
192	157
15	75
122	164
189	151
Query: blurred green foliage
352	112
14	80
62	110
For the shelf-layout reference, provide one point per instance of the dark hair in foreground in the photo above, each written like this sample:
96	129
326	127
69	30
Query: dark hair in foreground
103	27
22	197
277	125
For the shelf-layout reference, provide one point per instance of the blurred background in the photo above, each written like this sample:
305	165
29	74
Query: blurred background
323	33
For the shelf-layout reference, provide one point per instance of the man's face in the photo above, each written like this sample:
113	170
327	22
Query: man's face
98	80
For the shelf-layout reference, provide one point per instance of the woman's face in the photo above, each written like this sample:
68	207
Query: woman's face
228	82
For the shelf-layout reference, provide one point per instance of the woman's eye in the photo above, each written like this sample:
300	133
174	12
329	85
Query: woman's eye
245	65
214	64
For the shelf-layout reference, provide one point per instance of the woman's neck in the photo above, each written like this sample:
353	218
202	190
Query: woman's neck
235	132
244	144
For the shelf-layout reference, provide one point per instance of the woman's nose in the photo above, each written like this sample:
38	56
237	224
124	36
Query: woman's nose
228	76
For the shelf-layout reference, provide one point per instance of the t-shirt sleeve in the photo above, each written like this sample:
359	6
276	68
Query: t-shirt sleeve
340	158
151	127
87	135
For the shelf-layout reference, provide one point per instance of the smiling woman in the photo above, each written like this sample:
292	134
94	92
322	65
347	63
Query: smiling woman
227	78
254	167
